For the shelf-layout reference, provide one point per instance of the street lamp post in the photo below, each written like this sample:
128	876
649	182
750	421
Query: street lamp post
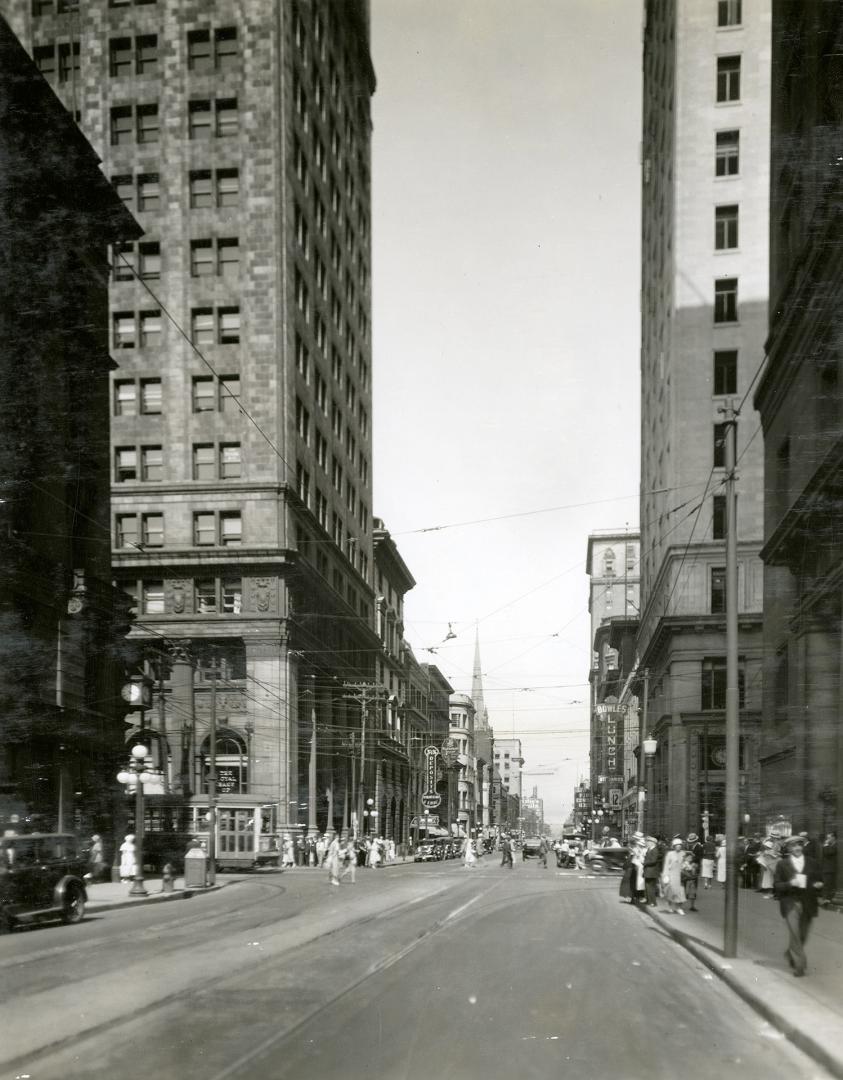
650	747
137	771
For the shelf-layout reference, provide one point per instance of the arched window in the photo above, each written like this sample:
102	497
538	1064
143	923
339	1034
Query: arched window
608	563
232	761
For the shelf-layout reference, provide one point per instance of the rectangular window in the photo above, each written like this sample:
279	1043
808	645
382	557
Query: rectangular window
230	464
201	258
728	78
203	462
718	590
149	192
153	597
152	463
199	119
227	118
125	398
204	529
149	257
728	12
127	530
232	596
719	446
727	153
725	371
45	60
150	324
303	483
68	62
726	300
206	596
228	187
725	227
225	48
229	386
146	47
122	132
153	530
202	326
204	393
229	326
199	51
200	189
126	464
302	421
151	397
718	517
123	256
121	56
228	257
147	123
124	185
713	684
231	529
124	329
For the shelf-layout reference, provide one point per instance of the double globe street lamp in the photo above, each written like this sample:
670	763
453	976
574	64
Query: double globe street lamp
138	773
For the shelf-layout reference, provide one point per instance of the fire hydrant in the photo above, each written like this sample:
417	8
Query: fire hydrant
167	878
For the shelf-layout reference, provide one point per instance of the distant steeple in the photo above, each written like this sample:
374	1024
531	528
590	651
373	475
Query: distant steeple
480	712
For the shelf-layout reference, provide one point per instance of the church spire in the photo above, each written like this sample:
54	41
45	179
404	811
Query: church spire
477	685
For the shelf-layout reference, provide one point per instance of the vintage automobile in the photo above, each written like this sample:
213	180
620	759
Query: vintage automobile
531	848
605	860
42	876
426	851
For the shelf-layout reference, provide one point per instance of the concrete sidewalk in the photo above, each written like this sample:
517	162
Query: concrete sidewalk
808	1011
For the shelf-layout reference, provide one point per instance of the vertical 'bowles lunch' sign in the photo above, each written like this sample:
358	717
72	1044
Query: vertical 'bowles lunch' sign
430	797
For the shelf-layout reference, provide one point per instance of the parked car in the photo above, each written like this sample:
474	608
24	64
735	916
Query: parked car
530	848
42	876
606	860
426	851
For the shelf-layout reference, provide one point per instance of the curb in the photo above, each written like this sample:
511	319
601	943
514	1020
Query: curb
153	898
793	1032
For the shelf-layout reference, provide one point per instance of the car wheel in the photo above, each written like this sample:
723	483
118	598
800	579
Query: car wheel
74	906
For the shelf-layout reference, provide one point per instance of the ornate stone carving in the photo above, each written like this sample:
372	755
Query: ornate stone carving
178	596
263	595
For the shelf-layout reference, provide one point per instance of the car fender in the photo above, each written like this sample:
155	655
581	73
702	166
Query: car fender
60	891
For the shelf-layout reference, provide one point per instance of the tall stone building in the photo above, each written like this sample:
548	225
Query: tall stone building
238	132
800	400
613	568
60	619
705	175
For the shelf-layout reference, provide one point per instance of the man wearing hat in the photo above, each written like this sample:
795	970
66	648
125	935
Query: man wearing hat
797	883
691	868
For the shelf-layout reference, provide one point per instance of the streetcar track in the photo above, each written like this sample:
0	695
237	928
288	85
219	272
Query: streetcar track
54	951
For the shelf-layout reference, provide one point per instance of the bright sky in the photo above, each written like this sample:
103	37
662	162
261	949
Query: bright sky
506	198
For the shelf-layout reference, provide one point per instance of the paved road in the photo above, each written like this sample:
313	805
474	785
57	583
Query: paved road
415	972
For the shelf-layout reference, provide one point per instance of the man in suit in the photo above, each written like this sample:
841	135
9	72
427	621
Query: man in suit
652	870
797	884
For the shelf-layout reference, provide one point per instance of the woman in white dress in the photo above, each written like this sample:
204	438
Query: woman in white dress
720	859
375	854
671	880
469	858
128	858
288	858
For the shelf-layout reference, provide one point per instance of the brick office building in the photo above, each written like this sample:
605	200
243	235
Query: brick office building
239	133
59	626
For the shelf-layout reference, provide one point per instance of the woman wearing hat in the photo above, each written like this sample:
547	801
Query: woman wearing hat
797	884
673	889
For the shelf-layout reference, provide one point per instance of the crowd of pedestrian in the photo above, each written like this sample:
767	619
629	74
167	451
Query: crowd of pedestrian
321	851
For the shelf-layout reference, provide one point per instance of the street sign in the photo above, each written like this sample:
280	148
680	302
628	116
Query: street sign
615	796
424	820
449	751
430	800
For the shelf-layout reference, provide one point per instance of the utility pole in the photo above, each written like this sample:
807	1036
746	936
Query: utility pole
730	927
212	780
312	829
643	793
362	692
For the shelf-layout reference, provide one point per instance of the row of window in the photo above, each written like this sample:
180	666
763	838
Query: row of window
141	123
211	596
219	256
143	397
208	188
355	506
210	461
209	326
303	366
51	7
211	528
